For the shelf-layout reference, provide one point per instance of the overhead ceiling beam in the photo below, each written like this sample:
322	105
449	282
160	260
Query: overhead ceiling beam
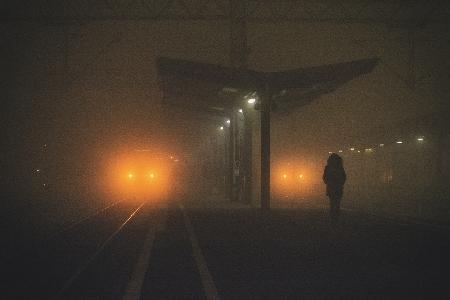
306	11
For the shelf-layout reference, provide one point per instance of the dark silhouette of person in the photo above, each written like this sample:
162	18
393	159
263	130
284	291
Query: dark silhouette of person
334	177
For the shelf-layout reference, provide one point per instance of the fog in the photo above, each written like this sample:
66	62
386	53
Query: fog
224	149
75	95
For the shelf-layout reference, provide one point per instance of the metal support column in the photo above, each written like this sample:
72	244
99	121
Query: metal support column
238	60
66	52
231	160
265	98
226	178
247	158
411	76
238	34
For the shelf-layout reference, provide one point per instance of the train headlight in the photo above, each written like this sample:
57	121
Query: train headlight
151	175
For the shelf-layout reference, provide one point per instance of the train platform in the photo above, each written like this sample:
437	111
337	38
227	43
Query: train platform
223	250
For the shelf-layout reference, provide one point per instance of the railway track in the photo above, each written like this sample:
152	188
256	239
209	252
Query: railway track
50	270
134	251
79	222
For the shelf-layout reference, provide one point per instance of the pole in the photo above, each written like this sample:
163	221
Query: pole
265	99
247	157
231	158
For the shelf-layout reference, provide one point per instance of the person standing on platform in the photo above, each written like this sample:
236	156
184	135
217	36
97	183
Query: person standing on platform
334	177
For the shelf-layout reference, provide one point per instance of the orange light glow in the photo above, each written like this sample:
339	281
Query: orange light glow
140	175
294	179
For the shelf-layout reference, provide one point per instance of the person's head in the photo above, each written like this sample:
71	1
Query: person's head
335	161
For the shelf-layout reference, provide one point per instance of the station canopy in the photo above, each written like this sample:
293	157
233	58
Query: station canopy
217	90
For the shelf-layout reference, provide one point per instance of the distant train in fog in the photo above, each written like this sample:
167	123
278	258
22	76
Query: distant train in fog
294	179
142	175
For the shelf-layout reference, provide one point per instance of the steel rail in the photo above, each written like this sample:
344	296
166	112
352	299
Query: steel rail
92	258
82	220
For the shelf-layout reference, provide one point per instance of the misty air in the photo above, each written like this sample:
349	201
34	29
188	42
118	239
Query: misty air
225	149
